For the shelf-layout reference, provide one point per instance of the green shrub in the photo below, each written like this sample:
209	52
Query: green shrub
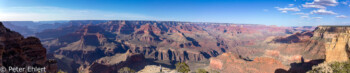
321	68
341	67
126	70
182	67
201	71
334	67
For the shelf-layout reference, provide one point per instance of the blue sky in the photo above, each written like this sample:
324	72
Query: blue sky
268	12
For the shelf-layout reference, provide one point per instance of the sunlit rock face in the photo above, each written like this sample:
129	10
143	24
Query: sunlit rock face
337	40
229	63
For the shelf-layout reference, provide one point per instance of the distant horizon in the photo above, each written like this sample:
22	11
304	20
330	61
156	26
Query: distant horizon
266	12
172	21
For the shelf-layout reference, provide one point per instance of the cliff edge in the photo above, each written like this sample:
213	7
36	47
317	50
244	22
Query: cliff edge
336	40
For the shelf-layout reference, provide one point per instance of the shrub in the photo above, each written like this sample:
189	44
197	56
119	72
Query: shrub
202	71
321	68
334	67
341	67
126	70
182	67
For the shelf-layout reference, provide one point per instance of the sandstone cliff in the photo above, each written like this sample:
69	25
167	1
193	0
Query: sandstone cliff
337	41
325	43
291	48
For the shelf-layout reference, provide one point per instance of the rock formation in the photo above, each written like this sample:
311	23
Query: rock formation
114	63
337	40
167	41
106	46
228	63
17	51
327	43
291	48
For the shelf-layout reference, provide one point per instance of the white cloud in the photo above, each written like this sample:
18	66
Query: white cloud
285	10
341	16
326	2
320	4
301	13
322	12
56	13
309	5
310	18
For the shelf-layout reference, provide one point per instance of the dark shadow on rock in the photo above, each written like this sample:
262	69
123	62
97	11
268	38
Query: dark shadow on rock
194	42
302	67
245	58
206	55
223	50
214	53
136	65
141	65
281	71
170	54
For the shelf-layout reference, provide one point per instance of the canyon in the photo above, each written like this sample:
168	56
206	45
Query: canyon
107	46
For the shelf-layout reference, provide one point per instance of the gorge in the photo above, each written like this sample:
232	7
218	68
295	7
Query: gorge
107	46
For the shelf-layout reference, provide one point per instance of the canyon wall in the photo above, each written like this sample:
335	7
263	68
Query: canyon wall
337	41
17	51
85	42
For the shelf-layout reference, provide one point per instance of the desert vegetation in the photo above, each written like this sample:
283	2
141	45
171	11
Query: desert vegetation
182	67
332	67
201	71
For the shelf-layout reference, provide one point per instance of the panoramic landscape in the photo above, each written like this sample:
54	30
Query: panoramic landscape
174	36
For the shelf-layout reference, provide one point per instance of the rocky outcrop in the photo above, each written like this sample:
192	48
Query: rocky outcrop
327	44
337	41
291	48
295	38
17	51
89	44
114	63
229	63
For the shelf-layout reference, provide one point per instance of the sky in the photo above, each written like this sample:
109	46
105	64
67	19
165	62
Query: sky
267	12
